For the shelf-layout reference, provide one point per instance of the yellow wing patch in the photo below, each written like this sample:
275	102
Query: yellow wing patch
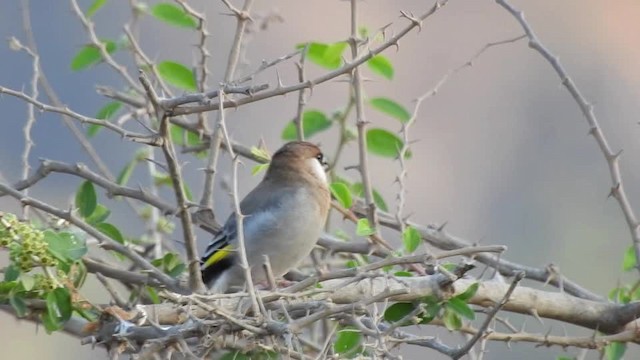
218	255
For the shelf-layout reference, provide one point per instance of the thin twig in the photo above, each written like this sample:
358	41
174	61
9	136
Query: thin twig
612	158
485	324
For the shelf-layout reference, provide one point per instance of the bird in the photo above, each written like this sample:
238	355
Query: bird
284	217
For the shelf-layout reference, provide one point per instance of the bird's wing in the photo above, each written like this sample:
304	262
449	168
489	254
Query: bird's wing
217	255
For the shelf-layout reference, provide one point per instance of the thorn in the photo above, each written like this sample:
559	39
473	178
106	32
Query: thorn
616	155
409	16
441	227
280	85
593	130
534	313
614	190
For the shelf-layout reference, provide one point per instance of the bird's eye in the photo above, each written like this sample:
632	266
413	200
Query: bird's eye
320	158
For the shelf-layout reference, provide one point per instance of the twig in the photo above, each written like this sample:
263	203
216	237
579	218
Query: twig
612	158
193	262
105	241
113	189
346	69
207	200
242	250
361	123
89	27
302	99
485	324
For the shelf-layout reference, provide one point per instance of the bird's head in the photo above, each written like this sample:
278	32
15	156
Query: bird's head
298	157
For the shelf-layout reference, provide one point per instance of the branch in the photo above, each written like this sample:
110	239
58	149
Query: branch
346	69
612	158
105	241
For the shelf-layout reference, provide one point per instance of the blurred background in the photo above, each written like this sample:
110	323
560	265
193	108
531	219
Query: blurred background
501	153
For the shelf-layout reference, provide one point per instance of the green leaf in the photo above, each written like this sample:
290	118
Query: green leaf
326	55
27	281
358	190
341	192
11	273
153	295
18	304
173	15
629	262
411	239
403	274
90	55
363	228
50	322
106	112
97	4
58	309
258	168
398	311
391	108
313	122
461	308
347	340
111	231
100	214
384	143
468	294
451	320
235	355
59	300
177	75
86	199
380	65
65	246
615	350
126	172
261	153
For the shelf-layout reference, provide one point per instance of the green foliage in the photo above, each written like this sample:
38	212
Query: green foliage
629	262
391	108
326	55
348	340
86	199
449	310
173	15
111	231
380	65
313	122
105	113
384	143
363	228
90	55
30	251
341	192
171	264
358	190
95	6
165	180
65	246
58	309
177	75
398	311
615	350
411	239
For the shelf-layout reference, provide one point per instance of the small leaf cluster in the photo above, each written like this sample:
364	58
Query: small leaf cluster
450	311
380	142
43	265
172	72
26	244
